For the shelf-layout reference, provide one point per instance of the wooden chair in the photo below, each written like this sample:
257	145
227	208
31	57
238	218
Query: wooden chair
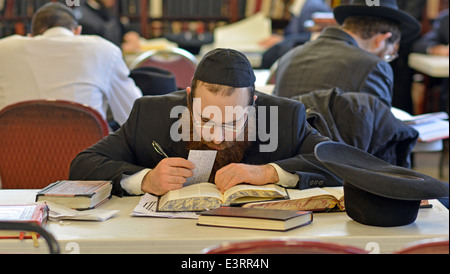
430	246
178	61
282	247
39	139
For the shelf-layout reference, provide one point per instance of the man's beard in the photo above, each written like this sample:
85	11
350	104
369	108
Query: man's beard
232	151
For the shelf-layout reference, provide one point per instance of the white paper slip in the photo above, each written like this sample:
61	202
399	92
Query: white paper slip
147	207
204	162
58	212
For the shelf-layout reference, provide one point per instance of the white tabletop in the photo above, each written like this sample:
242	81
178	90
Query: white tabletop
432	65
126	234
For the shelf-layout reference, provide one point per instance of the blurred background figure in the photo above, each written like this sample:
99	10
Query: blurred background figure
435	42
99	17
295	33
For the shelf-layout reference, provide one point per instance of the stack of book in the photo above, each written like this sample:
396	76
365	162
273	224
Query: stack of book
78	195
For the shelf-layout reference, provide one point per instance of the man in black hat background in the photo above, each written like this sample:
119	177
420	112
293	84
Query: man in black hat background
269	142
353	57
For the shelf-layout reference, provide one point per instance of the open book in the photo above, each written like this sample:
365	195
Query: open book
312	199
205	196
431	126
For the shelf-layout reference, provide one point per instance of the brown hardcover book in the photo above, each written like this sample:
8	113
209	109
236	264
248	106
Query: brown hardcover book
313	199
76	194
255	218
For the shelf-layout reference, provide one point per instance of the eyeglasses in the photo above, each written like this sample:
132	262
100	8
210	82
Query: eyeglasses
392	56
235	126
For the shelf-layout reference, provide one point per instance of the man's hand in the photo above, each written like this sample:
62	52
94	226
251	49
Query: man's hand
234	174
169	174
441	50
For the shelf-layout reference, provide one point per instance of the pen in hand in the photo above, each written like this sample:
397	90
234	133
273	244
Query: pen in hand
159	149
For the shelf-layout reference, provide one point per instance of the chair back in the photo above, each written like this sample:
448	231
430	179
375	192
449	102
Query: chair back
178	61
429	246
282	247
40	138
53	245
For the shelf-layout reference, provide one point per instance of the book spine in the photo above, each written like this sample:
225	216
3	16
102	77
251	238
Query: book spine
43	191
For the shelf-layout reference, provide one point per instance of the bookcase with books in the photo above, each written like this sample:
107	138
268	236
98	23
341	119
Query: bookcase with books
161	17
156	18
15	15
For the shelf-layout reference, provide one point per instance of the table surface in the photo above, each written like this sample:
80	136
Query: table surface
432	65
126	234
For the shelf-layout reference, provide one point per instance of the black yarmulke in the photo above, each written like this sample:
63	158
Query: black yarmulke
226	67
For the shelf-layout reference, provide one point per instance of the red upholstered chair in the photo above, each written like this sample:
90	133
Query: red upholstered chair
180	62
282	247
430	246
39	139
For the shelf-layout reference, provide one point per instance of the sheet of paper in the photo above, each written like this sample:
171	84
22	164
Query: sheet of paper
58	212
204	162
245	34
147	208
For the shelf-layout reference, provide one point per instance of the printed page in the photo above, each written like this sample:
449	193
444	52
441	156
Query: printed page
16	212
147	207
197	190
247	193
297	194
203	161
336	191
191	198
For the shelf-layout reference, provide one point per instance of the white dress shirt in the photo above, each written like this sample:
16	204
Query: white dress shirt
61	65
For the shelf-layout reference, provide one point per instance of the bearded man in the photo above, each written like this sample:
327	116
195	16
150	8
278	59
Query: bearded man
259	138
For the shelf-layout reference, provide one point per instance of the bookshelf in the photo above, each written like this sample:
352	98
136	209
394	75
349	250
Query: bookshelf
15	15
156	18
160	17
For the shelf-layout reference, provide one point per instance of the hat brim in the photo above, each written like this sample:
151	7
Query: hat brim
409	26
376	176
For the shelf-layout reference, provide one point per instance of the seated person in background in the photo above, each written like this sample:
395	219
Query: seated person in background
353	57
295	33
57	62
218	112
436	40
98	17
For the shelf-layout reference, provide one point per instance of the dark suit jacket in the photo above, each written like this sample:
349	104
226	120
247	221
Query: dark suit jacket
360	120
130	150
100	22
333	60
438	35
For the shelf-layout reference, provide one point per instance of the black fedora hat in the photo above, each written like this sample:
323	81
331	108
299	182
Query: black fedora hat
154	80
387	9
378	193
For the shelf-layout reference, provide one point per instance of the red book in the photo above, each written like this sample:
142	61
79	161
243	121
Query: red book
34	213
